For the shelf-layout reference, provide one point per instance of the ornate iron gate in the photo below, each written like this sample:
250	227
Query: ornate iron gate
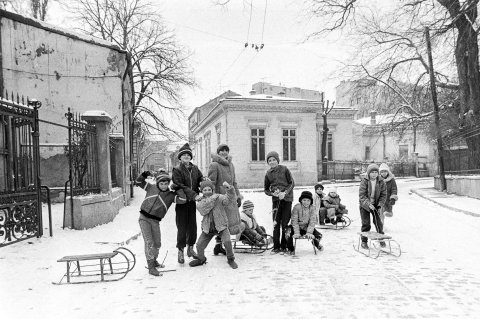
20	192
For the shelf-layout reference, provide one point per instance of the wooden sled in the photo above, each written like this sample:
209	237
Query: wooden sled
310	240
244	245
374	245
339	225
100	267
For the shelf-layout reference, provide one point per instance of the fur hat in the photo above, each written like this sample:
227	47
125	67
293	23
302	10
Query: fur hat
207	183
222	147
185	149
247	204
370	168
319	186
162	176
306	194
273	154
333	189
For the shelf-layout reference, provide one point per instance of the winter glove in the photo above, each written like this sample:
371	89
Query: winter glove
174	187
296	236
392	201
281	195
145	174
310	236
239	202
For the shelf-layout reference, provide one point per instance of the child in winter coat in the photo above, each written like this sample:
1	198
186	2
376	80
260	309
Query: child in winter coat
335	209
279	185
392	196
318	199
154	207
304	217
212	207
253	231
372	197
187	177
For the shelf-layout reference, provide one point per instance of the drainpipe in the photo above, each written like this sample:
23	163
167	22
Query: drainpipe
2	88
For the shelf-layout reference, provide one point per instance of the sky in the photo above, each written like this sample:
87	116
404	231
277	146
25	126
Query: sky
216	37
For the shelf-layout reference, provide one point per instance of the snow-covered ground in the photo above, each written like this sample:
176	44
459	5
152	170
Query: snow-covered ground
436	276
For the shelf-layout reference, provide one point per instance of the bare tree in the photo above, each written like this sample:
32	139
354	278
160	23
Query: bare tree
159	64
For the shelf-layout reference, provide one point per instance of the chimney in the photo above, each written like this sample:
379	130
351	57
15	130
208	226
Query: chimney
373	117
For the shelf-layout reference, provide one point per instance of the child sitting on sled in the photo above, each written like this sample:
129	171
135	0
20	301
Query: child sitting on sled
335	209
253	231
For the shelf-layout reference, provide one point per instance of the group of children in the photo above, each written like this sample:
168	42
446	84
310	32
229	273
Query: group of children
197	193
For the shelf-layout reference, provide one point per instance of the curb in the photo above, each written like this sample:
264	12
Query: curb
466	212
121	243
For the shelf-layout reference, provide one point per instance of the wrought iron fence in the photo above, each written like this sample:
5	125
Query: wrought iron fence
342	170
461	154
82	156
20	193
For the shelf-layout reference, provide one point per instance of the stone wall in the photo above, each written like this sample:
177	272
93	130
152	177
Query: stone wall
461	185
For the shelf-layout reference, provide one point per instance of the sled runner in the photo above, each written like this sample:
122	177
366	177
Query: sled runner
245	245
391	247
99	267
339	225
310	240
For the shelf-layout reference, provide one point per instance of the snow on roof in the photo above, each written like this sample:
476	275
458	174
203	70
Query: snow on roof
383	118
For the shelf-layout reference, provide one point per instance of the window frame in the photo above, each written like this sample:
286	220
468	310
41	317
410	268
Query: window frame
289	138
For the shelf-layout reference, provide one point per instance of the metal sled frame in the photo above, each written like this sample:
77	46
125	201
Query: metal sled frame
338	225
244	245
304	237
374	248
111	266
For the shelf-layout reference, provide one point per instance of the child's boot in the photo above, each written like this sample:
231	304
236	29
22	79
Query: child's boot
191	252
151	268
156	264
198	262
232	263
218	249
181	258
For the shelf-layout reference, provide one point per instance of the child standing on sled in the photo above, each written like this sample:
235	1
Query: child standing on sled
154	207
212	207
392	196
372	197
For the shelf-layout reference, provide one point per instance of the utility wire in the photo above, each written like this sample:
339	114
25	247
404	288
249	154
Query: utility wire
264	17
230	66
249	21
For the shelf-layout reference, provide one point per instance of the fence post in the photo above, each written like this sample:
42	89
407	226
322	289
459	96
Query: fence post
102	121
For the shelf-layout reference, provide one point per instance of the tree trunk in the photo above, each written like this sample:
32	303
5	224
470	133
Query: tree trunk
324	147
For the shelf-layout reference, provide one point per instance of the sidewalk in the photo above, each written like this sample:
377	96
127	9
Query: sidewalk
462	204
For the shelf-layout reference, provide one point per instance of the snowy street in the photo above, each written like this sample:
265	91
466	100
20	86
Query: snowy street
435	277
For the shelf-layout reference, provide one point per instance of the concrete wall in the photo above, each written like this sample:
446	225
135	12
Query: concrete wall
62	70
93	210
461	185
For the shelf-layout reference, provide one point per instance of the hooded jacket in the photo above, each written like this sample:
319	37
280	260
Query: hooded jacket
213	207
222	170
391	185
365	190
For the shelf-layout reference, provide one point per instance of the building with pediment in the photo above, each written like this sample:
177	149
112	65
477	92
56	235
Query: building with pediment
256	124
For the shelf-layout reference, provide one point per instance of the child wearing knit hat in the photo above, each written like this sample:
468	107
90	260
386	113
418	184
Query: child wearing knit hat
279	185
335	209
158	199
253	231
215	222
372	197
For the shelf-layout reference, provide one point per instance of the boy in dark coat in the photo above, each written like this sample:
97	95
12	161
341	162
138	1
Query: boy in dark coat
372	196
318	199
279	184
154	207
187	177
